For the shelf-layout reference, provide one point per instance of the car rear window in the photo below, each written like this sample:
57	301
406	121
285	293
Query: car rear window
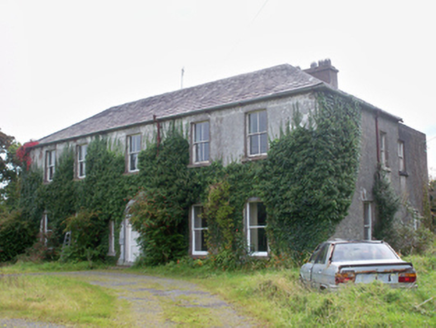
362	252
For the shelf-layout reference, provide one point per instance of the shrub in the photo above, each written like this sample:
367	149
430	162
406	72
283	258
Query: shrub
16	234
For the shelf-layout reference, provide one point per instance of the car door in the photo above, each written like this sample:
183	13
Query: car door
306	269
319	280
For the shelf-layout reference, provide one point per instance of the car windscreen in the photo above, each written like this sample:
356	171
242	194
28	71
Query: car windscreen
362	252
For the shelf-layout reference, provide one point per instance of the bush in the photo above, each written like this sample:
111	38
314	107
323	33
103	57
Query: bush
16	234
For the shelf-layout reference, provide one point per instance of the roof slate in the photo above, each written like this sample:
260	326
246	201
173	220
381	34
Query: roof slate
240	88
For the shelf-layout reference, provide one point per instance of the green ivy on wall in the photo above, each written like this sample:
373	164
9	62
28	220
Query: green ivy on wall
306	183
309	177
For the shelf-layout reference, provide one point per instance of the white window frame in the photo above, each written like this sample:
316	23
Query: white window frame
401	161
196	229
43	229
81	161
50	164
367	221
252	227
201	142
111	250
133	153
258	134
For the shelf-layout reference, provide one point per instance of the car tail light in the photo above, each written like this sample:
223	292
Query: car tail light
343	277
407	277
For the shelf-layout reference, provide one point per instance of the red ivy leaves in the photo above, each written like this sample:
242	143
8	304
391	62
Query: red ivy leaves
23	152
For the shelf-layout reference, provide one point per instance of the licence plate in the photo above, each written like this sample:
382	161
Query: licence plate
387	278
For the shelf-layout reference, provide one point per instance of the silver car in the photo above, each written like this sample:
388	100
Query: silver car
335	263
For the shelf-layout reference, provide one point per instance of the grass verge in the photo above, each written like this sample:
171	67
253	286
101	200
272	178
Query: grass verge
277	299
60	300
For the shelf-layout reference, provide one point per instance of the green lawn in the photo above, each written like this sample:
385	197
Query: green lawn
273	296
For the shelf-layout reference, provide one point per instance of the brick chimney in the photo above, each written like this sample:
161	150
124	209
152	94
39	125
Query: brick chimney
324	71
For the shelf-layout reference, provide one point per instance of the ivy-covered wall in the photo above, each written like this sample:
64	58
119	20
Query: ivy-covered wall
306	183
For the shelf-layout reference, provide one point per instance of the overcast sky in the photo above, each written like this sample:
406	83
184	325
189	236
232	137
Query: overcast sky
63	61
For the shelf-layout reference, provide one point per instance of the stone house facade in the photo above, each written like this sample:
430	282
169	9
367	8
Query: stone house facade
232	120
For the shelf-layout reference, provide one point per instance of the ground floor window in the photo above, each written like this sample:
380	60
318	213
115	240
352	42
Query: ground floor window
256	223
199	228
45	229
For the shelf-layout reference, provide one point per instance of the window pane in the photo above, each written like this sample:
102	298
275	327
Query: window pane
199	153
262	121
200	241
252	122
254	145
135	142
205	131
198	222
261	214
133	158
206	151
263	143
82	171
258	240
198	132
257	214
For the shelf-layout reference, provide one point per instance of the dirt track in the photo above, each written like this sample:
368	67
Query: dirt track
151	296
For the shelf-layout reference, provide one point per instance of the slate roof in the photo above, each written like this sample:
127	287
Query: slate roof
241	88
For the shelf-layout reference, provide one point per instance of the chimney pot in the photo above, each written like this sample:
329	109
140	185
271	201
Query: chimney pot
324	71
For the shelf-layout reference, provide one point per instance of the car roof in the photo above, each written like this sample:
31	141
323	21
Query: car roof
342	241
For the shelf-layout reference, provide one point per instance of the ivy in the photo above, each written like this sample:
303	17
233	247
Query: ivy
161	209
308	180
306	183
387	205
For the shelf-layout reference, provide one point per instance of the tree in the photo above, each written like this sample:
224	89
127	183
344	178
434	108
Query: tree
9	166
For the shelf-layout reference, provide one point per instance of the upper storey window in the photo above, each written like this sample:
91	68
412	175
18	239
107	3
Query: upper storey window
402	163
201	142
81	161
383	150
50	161
134	147
257	133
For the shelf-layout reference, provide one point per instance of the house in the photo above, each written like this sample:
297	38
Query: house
232	120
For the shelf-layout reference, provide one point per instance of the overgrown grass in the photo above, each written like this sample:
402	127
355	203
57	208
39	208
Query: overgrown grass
60	300
29	267
273	296
276	297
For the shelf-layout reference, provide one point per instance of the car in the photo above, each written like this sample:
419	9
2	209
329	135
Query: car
337	262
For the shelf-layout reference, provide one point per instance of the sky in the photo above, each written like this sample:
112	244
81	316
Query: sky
64	61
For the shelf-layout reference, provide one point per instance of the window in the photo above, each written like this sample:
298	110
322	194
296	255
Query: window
367	221
257	134
111	251
199	228
134	147
50	160
81	161
321	256
256	223
402	164
201	142
45	229
383	150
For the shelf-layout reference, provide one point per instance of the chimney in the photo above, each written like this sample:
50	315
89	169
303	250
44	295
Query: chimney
324	71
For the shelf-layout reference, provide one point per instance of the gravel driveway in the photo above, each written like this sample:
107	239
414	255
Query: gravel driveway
148	295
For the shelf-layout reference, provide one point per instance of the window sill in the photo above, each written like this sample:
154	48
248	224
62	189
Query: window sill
260	255
131	172
254	158
201	164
